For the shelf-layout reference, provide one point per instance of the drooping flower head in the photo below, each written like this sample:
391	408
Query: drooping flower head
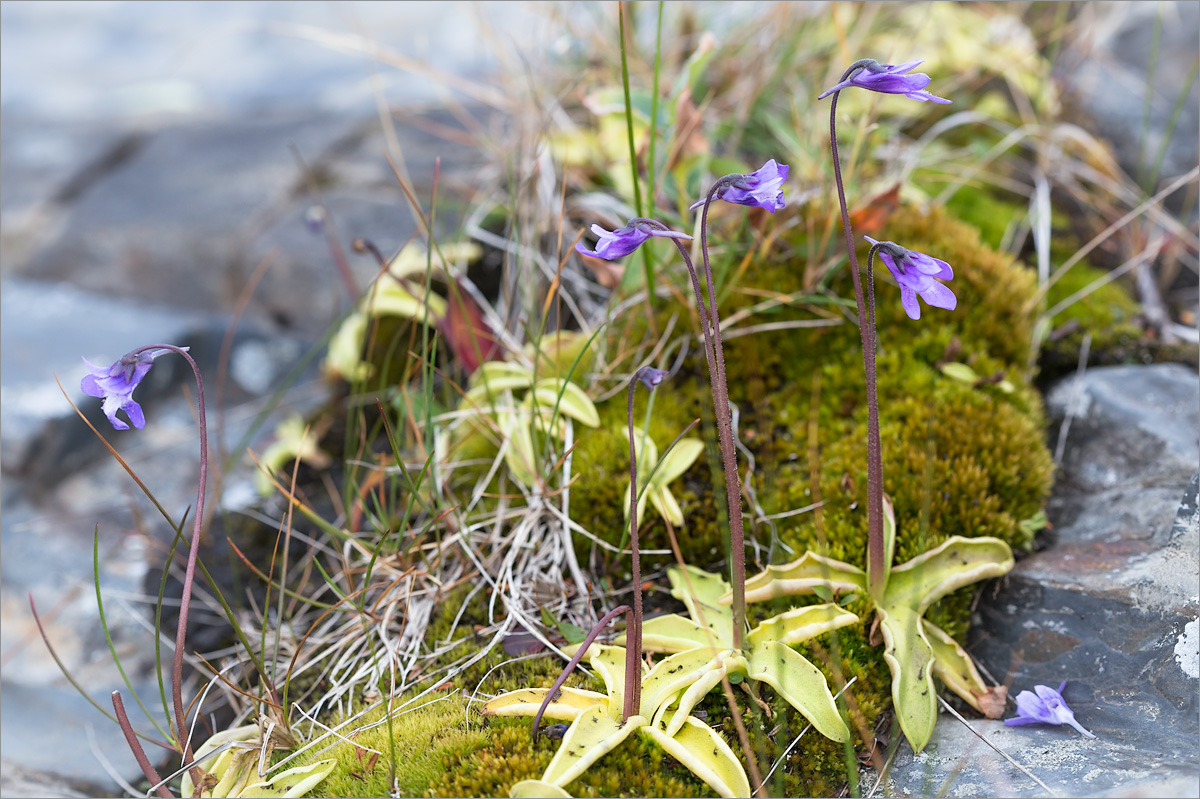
624	240
115	385
1047	706
887	79
650	376
916	273
762	188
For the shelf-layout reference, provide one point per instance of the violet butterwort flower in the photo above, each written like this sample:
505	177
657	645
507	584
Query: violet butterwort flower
762	188
888	79
1047	706
115	385
915	272
625	240
650	376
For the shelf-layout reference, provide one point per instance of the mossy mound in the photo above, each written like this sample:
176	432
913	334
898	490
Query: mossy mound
959	459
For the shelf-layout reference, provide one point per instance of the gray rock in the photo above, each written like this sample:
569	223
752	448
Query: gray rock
18	781
1109	607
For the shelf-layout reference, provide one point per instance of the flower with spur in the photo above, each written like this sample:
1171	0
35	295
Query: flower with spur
762	188
115	385
916	273
1047	706
624	240
886	79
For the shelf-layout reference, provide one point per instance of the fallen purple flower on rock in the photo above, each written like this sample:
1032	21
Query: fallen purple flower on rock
1047	706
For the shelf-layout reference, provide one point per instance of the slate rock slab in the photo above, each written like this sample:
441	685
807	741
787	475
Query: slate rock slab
1109	606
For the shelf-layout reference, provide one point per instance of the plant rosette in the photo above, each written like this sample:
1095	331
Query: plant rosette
915	649
704	653
236	770
596	726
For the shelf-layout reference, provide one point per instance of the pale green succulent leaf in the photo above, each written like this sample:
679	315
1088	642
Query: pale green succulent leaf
666	504
889	537
609	663
800	576
947	567
518	454
801	684
960	372
526	701
646	460
536	789
701	592
800	624
955	668
705	753
483	396
592	735
677	460
290	784
218	765
574	400
675	633
726	663
910	658
344	358
237	773
674	674
643	501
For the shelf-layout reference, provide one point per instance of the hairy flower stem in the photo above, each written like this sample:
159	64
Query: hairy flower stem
714	356
135	746
185	601
579	653
633	636
866	327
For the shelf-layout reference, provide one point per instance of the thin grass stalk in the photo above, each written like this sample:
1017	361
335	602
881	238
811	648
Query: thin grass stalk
648	268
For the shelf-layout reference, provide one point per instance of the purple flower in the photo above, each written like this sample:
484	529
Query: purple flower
625	240
650	376
762	187
1046	707
915	272
889	79
115	384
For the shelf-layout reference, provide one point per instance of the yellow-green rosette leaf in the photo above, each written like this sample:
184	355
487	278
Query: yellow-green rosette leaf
526	701
676	461
569	398
344	358
910	658
220	764
960	372
665	503
800	577
706	755
674	674
701	592
955	668
536	789
675	633
518	453
723	664
592	735
801	624
290	784
642	501
801	684
954	563
609	663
